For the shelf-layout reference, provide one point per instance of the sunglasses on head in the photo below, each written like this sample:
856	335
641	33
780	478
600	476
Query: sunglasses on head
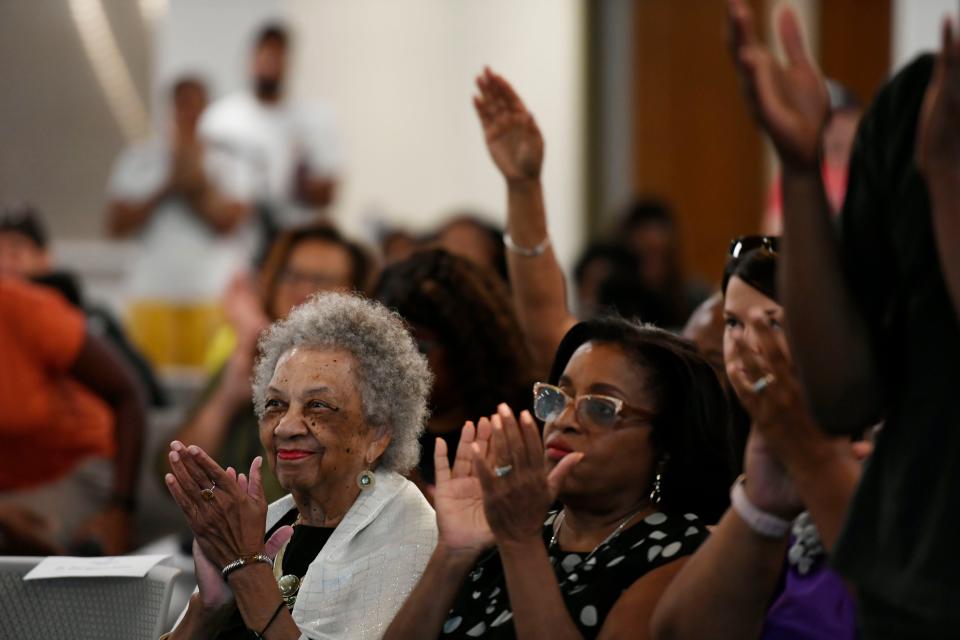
745	244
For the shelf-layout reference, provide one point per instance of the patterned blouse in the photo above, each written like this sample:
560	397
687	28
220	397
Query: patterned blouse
590	587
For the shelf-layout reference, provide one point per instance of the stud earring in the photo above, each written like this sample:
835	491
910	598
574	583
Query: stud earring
366	480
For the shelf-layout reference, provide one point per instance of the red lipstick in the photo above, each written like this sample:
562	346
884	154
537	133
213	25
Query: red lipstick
293	454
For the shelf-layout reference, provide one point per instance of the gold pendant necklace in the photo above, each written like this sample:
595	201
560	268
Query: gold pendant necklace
288	584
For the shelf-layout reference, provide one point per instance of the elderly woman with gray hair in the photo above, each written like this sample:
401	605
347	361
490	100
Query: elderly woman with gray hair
340	390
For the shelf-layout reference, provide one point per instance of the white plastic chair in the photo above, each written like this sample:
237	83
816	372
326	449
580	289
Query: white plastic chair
82	608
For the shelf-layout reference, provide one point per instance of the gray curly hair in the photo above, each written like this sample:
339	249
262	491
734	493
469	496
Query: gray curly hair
392	373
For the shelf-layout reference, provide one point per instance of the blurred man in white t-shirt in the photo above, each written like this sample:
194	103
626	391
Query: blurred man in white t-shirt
294	147
189	206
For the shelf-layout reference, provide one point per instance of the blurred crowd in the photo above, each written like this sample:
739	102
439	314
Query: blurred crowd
440	436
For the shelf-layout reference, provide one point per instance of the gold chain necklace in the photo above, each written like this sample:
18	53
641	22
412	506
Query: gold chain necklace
558	522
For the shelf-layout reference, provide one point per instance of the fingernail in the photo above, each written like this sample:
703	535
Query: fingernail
175	445
503	409
174	456
193	449
169	478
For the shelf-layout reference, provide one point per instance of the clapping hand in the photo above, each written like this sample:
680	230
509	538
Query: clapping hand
517	490
512	135
790	100
458	498
226	512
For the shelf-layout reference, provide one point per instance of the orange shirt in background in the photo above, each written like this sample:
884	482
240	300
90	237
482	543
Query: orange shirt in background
48	422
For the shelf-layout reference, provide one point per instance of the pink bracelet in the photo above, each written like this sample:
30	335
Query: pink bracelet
761	522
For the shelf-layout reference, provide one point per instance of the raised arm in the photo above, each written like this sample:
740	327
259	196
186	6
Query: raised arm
832	347
938	157
790	465
516	146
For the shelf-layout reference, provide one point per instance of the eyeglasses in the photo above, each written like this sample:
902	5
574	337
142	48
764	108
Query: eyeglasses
317	281
550	401
743	244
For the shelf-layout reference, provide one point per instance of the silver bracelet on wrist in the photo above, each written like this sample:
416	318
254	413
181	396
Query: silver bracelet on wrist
526	252
761	522
242	562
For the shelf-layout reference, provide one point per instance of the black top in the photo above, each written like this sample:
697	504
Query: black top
900	545
590	587
305	543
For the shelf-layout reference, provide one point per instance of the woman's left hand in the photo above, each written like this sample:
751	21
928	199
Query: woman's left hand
779	410
517	498
230	524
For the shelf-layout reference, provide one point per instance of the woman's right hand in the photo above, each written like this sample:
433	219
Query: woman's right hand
789	100
511	133
458	498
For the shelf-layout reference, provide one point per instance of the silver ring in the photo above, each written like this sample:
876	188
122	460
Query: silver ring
504	470
763	383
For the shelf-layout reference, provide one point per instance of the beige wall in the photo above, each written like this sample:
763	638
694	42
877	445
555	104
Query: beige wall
400	76
58	133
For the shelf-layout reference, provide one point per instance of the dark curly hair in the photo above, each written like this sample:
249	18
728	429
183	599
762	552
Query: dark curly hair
690	426
470	310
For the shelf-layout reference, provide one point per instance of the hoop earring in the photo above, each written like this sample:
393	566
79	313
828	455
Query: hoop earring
366	480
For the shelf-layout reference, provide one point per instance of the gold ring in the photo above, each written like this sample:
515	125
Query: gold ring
207	494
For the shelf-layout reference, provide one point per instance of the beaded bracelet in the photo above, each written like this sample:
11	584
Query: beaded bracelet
763	523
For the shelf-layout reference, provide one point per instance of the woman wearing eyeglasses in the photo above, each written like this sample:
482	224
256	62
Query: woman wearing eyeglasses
577	532
763	573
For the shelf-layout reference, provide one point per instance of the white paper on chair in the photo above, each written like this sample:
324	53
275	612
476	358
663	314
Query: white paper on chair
102	567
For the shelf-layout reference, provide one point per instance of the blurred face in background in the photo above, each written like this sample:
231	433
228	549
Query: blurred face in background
652	244
706	328
268	68
21	257
189	101
313	265
468	240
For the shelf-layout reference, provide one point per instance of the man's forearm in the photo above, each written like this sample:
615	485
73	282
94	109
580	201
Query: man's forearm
126	216
829	338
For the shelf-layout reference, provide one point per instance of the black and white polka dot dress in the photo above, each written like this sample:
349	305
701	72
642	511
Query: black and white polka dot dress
590	588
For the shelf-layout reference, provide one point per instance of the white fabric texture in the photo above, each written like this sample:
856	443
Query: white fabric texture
371	563
181	259
278	140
